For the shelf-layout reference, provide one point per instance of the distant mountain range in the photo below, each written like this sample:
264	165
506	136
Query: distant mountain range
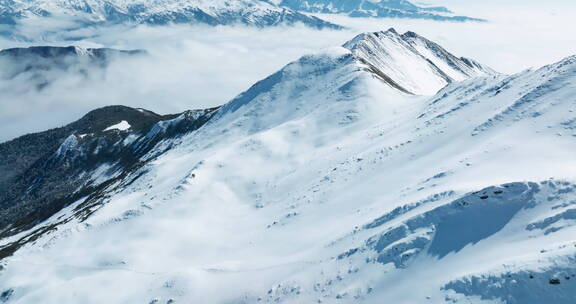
39	66
375	8
259	13
159	12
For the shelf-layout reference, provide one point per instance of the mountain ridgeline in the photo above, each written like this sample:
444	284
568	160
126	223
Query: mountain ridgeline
376	9
384	169
412	63
160	12
47	171
80	14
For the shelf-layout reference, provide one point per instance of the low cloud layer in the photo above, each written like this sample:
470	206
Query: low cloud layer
197	67
187	68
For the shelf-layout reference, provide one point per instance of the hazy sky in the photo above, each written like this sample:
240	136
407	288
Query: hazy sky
196	67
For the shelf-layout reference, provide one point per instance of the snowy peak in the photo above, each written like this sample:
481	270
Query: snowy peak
308	84
433	52
404	63
411	63
160	12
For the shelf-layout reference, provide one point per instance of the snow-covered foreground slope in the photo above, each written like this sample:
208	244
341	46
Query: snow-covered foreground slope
323	183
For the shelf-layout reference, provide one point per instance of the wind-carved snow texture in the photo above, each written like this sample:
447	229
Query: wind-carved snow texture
452	227
556	77
327	183
521	287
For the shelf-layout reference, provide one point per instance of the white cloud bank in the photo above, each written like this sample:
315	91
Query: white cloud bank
196	67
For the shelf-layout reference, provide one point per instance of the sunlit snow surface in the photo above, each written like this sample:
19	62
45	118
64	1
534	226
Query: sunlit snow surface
122	126
324	184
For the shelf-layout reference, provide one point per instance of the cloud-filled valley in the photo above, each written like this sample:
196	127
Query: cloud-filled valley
199	66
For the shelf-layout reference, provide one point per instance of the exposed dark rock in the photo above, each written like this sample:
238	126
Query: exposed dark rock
6	295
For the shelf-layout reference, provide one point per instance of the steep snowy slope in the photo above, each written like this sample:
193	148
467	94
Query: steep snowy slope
44	172
324	184
374	8
159	12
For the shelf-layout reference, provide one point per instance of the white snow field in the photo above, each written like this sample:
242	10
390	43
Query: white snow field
339	180
122	126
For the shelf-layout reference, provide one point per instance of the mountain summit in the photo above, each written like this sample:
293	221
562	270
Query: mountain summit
412	63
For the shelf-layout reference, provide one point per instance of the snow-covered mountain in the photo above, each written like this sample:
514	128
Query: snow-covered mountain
43	172
158	12
40	66
412	63
330	181
374	8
